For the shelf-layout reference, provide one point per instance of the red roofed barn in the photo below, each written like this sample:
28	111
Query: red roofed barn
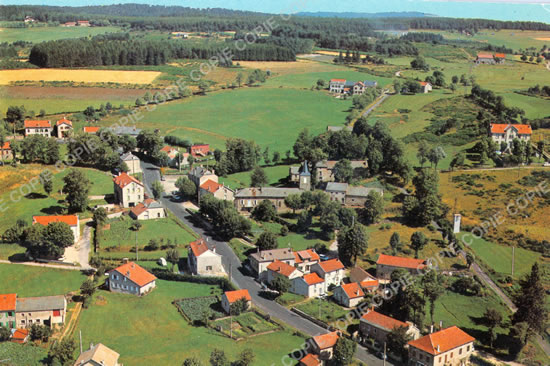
386	264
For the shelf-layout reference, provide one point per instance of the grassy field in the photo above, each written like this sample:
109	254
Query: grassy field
42	34
329	311
275	176
79	76
18	354
29	281
257	113
153	323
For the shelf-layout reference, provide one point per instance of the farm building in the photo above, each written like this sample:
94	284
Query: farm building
490	58
348	195
248	198
386	264
376	325
45	310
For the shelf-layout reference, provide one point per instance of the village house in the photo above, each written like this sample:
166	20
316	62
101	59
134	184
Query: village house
45	310
386	264
93	130
261	259
199	151
305	259
20	336
325	169
172	154
367	282
490	59
448	347
147	210
199	174
323	345
341	86
29	19
220	191
131	278
7	310
377	326
310	360
6	151
69	24
83	23
348	195
331	271
310	285
349	295
248	198
230	297
426	87
63	128
203	260
132	162
98	355
278	268
71	220
42	127
128	190
507	133
301	176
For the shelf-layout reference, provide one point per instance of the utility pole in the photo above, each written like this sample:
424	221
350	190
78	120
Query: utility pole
513	259
384	358
137	254
81	341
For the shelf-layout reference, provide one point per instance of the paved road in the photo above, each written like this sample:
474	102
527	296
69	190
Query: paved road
232	265
373	107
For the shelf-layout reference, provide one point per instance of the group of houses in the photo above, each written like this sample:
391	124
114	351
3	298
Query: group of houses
343	86
61	129
22	312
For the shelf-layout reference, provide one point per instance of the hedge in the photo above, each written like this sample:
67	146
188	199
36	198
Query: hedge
167	275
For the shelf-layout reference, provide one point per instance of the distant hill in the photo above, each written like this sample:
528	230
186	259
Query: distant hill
402	14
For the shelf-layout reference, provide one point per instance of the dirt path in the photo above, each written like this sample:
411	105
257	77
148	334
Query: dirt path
80	252
68	330
35	264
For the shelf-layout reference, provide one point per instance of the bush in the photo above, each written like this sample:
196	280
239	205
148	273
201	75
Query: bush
167	275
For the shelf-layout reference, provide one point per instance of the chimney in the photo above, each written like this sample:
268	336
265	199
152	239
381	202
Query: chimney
124	260
431	329
91	345
438	349
214	249
440	324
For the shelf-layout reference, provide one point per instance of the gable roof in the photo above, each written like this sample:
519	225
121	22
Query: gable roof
100	354
64	121
442	341
7	145
327	340
123	179
403	262
369	283
144	206
43	303
91	129
7	302
273	254
336	187
500	55
424	83
128	156
71	220
37	124
383	321
233	296
198	247
353	290
281	268
331	265
135	273
19	335
272	192
306	255
310	360
358	274
484	55
312	279
211	186
337	80
502	127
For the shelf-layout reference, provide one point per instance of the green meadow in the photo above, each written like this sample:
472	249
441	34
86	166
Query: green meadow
275	175
42	34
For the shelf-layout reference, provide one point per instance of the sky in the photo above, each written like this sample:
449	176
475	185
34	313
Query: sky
530	10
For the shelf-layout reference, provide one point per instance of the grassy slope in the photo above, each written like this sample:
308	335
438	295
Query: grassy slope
275	174
153	323
42	34
28	281
18	354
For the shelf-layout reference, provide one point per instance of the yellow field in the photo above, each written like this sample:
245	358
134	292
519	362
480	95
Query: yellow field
543	39
329	53
80	76
290	67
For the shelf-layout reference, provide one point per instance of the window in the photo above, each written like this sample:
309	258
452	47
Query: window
467	348
451	355
208	268
460	351
439	359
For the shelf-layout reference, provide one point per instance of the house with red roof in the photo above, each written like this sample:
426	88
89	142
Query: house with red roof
305	259
5	151
367	282
310	360
451	346
506	133
309	285
261	259
425	86
220	191
377	326
7	310
331	271
41	127
278	268
323	345
230	297
386	264
20	336
69	24
129	191
488	58
199	151
349	294
131	278
83	23
71	220
91	129
147	210
63	128
202	260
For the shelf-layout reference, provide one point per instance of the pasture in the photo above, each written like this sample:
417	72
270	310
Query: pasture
42	34
79	76
275	175
152	322
19	354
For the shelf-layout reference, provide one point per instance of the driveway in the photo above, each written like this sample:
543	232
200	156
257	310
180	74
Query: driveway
80	252
233	267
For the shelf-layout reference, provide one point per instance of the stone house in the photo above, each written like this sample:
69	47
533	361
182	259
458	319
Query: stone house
325	169
7	310
132	162
45	310
248	198
278	268
41	127
71	220
377	326
128	190
305	259
310	285
199	175
63	128
448	347
347	195
349	294
220	191
147	210
202	260
230	297
386	264
367	282
323	345
131	278
261	259
331	271
98	355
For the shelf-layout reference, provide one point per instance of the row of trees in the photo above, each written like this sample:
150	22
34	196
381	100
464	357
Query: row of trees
224	217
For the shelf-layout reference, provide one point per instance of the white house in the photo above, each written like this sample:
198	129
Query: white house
278	268
42	127
230	297
132	162
71	220
426	87
507	133
451	346
98	355
147	210
202	260
131	278
332	271
64	128
310	285
128	190
349	294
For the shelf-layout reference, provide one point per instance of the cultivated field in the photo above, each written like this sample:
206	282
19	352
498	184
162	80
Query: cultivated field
42	34
80	76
